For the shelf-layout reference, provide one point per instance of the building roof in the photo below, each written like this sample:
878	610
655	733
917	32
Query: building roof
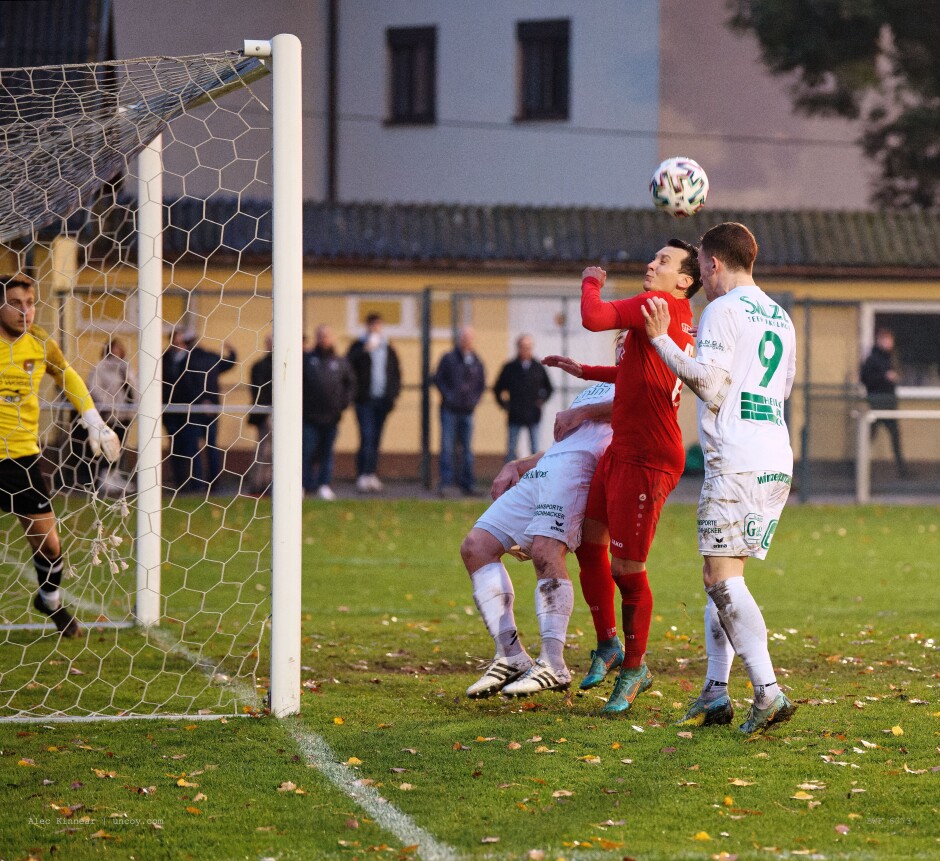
526	238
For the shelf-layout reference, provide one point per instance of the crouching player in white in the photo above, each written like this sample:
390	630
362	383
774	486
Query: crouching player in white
538	512
743	373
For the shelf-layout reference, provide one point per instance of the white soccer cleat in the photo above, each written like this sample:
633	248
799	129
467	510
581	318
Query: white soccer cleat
363	484
375	483
540	677
499	673
326	492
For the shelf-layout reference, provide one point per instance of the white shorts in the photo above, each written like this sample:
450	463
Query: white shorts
548	500
738	513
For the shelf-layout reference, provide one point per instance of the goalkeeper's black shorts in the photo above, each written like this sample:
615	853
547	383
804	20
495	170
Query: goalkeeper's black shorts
23	487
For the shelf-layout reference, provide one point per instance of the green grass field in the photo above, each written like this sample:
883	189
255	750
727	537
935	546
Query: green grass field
391	640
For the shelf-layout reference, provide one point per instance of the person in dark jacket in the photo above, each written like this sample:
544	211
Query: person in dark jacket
329	384
522	389
199	385
880	378
461	380
260	418
378	384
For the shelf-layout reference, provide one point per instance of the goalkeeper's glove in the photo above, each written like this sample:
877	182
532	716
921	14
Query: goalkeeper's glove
101	438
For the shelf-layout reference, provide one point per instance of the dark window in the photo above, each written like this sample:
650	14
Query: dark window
412	55
544	69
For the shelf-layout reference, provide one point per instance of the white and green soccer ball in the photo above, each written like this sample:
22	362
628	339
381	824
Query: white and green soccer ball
679	186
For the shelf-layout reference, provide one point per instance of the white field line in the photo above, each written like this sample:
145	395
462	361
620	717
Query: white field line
319	754
384	813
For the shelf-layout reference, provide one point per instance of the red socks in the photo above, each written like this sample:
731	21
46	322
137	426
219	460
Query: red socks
637	609
597	587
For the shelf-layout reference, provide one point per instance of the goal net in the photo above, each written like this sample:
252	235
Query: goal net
141	198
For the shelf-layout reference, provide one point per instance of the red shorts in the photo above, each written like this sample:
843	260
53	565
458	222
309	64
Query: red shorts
628	499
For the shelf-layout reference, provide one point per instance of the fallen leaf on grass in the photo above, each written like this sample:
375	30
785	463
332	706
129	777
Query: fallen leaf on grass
591	758
354	760
562	793
458	746
101	834
543	749
410	750
287	786
199	796
896	730
339	721
184	782
737	781
810	787
489	840
535	855
701	835
481	738
684	734
406	787
514	745
195	811
27	762
801	796
100	772
842	829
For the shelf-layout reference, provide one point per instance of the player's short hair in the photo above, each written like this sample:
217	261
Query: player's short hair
689	265
8	281
373	317
732	243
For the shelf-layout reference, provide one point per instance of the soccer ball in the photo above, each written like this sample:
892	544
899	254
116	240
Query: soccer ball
679	186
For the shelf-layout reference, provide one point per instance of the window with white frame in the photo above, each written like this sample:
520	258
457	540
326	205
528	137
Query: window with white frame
916	330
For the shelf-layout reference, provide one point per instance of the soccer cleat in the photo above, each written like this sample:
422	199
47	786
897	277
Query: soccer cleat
326	492
375	483
630	683
700	713
600	667
64	621
539	677
499	673
363	484
758	720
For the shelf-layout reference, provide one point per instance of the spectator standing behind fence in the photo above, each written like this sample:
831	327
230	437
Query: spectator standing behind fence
199	383
522	389
329	384
880	378
177	400
461	380
378	384
260	377
113	387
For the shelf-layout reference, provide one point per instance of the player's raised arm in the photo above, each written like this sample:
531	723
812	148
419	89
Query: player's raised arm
705	380
596	314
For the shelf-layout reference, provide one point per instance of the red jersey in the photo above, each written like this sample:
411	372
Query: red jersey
646	392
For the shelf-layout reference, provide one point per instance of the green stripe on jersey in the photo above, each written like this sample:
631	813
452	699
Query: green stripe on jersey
760	408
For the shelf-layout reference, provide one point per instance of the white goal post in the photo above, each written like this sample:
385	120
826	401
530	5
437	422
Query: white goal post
109	133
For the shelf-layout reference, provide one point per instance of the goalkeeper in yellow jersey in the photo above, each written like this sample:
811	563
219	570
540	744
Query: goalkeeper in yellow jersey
27	352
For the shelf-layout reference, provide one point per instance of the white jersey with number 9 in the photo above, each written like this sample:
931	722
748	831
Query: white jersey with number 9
750	337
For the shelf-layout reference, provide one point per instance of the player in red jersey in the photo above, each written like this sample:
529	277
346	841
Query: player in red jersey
640	468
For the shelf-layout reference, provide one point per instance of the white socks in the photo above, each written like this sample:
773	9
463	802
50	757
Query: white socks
50	599
720	654
494	597
554	603
744	626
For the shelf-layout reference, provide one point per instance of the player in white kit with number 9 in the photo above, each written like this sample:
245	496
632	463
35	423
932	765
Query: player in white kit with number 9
743	372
